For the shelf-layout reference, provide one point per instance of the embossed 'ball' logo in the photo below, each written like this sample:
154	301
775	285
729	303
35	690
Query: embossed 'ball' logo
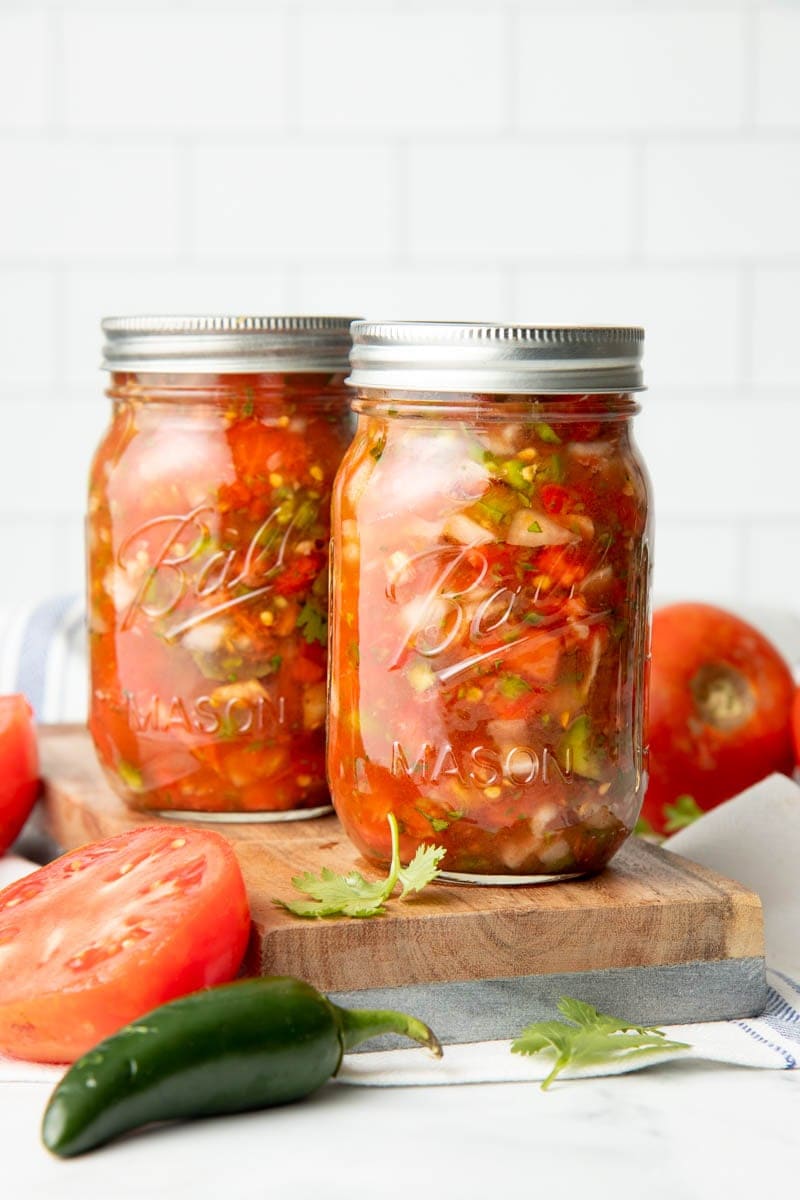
454	599
176	559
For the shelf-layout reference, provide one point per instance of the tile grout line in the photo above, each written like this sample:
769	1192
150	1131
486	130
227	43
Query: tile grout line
511	294
639	193
752	46
747	326
401	216
186	203
57	74
511	41
744	557
270	136
292	81
789	264
61	274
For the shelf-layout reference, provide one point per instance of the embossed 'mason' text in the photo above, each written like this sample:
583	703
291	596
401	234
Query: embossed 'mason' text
481	766
232	717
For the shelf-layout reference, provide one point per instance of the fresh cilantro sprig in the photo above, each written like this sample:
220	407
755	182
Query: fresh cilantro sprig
644	829
352	895
313	623
589	1038
685	811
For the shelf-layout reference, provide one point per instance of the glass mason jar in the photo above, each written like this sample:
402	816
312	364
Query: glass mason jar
490	583
208	536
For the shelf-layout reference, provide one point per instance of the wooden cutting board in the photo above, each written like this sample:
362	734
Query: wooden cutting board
653	938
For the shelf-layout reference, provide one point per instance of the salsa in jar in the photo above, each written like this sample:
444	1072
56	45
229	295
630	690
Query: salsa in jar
490	618
208	537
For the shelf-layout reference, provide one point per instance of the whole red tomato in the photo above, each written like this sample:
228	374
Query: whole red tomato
19	767
720	712
796	726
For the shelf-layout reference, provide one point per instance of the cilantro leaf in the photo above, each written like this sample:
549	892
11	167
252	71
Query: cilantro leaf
583	1014
644	829
352	895
589	1038
423	868
312	623
683	812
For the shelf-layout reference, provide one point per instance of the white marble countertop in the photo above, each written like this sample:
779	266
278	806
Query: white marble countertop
680	1131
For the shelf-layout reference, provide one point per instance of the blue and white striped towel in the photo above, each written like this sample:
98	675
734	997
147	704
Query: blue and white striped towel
43	655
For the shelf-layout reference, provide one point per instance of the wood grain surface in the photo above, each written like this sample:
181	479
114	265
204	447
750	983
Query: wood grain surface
649	908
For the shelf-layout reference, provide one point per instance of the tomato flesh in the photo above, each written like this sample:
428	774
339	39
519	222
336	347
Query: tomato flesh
111	930
720	701
19	767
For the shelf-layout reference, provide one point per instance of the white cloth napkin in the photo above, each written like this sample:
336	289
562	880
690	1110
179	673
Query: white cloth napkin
755	839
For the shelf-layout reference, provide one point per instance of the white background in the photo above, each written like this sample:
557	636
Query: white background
535	161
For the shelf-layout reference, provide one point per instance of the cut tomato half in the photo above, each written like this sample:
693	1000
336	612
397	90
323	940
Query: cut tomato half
111	930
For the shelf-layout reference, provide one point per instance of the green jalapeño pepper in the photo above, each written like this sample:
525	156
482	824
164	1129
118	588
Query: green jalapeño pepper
246	1045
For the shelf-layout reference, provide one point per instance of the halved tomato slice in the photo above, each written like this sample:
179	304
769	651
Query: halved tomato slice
111	930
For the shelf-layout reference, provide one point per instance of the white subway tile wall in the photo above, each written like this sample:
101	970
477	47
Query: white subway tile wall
617	70
513	202
125	70
401	73
69	200
520	160
274	202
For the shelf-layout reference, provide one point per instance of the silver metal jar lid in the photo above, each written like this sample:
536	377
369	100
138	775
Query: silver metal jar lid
225	345
507	359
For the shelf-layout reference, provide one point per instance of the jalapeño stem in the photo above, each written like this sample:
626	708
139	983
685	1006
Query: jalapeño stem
358	1024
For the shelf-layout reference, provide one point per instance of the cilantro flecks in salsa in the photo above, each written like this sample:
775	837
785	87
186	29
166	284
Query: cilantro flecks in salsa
208	554
489	630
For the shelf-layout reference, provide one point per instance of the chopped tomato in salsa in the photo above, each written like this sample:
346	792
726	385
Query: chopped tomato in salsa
490	632
208	539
